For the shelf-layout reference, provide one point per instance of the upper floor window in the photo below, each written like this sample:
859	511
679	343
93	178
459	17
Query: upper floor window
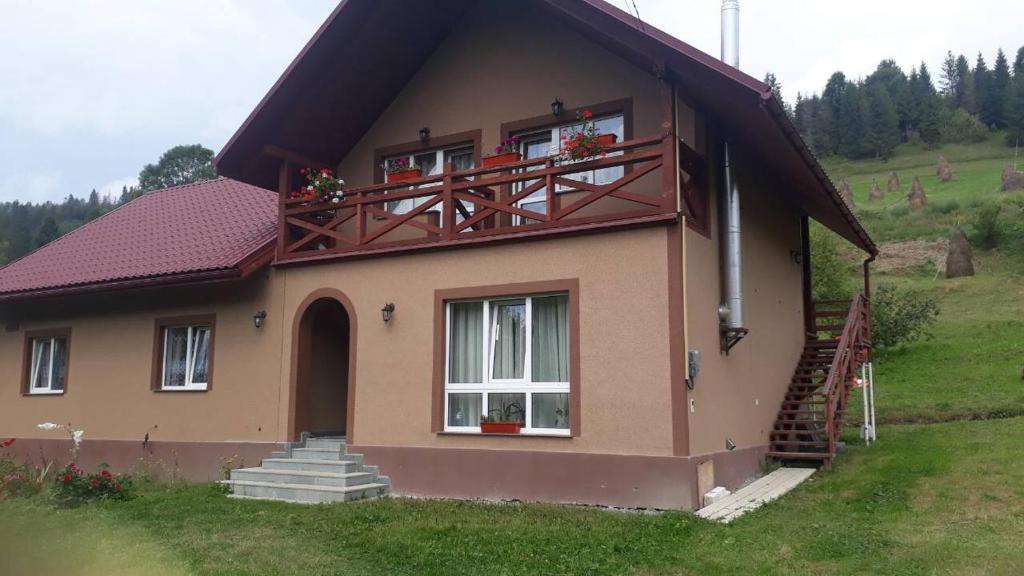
185	355
48	364
431	163
508	357
548	142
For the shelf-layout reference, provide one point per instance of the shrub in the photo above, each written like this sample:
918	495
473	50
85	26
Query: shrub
830	277
18	479
73	486
963	127
901	316
986	226
947	207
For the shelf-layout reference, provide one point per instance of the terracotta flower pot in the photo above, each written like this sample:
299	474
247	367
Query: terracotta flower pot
501	427
606	140
402	175
501	159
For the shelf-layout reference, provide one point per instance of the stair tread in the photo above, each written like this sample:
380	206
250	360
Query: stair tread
801	455
313	461
311	487
311	473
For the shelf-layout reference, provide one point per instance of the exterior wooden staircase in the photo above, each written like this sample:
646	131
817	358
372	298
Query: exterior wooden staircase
814	407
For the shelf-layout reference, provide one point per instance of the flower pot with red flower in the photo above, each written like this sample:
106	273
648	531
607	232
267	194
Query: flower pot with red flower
585	142
506	419
322	187
400	170
505	153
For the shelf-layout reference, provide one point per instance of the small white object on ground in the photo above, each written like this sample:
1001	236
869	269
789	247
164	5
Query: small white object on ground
715	494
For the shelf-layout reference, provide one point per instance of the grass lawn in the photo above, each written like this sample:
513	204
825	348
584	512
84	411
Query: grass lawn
935	499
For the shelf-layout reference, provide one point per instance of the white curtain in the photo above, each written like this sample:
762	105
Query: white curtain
509	327
550	410
41	363
200	355
551	339
175	356
60	364
464	409
465	363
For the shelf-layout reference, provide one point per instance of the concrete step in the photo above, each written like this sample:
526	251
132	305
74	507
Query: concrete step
305	493
325	454
303	477
311	465
326	443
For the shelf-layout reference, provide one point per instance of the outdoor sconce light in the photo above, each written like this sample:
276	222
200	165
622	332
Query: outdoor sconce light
424	134
729	444
258	318
387	311
557	107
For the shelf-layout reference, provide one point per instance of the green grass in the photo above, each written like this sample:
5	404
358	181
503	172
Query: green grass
937	499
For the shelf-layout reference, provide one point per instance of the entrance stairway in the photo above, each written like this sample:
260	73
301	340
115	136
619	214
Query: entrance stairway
317	470
811	417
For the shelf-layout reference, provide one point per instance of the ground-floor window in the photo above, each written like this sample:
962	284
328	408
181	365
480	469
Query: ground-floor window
48	364
185	354
508	358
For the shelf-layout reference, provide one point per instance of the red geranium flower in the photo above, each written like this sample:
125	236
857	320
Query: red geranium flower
587	114
67	478
94	482
105	473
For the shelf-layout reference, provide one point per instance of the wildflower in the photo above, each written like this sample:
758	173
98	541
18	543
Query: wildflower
105	473
76	436
94	482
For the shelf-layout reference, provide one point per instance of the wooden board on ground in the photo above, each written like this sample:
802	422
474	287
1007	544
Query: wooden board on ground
755	494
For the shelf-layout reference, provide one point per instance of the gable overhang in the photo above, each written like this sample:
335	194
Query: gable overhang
366	51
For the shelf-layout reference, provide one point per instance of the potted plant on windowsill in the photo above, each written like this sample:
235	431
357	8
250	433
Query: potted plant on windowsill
508	419
585	142
504	153
400	169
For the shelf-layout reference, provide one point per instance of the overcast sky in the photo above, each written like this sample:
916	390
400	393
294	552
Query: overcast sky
90	91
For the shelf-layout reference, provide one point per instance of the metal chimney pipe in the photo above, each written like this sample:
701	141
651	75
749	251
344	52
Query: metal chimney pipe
731	310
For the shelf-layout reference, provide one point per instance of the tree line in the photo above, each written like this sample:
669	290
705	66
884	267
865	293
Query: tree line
869	117
25	226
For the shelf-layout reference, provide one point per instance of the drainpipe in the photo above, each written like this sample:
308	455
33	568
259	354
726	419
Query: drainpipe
730	312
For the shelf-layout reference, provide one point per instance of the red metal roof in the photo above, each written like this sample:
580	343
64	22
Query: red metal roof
207	230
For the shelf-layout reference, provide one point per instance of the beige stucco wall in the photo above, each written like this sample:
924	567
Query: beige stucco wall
111	357
738	395
624	382
505	62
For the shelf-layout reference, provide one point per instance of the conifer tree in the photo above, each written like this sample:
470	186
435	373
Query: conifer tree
983	91
964	93
883	126
926	107
999	90
950	78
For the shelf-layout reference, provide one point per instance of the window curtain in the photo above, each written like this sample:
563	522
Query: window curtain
509	340
41	364
175	356
466	345
464	409
60	363
551	339
550	410
200	355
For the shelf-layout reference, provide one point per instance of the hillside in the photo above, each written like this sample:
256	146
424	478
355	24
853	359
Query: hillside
972	365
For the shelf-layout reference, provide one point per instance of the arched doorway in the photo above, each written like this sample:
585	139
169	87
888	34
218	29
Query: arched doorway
323	367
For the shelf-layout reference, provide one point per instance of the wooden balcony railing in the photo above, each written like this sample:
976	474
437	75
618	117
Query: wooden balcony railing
486	204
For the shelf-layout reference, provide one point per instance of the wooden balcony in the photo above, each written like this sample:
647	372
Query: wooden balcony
634	183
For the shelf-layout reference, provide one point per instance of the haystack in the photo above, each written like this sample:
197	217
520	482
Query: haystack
894	182
944	172
959	260
846	193
1013	181
876	192
916	197
938	166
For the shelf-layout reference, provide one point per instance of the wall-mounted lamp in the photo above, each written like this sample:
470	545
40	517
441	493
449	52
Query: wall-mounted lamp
729	444
387	311
796	256
557	107
424	134
258	318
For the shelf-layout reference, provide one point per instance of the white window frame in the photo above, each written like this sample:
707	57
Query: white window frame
555	148
490	385
34	366
403	206
190	385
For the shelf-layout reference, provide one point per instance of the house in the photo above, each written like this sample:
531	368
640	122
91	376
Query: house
643	314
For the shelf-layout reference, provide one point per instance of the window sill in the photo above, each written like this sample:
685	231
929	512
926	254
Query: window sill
180	390
44	393
566	436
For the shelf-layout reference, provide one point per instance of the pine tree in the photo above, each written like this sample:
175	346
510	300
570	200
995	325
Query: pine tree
1015	109
852	123
950	78
47	232
999	91
1018	63
776	88
883	127
983	91
964	92
926	107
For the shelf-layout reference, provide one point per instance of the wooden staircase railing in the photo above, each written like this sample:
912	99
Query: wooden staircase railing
811	418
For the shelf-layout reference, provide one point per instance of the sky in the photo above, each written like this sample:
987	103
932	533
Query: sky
91	91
